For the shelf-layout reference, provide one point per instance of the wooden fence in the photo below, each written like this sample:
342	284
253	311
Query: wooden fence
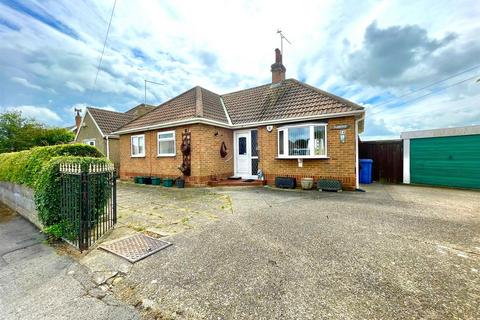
387	156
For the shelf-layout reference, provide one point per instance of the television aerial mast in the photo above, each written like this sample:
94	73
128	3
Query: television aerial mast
282	37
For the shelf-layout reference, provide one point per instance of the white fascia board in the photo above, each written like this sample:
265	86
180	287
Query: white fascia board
239	126
445	132
226	112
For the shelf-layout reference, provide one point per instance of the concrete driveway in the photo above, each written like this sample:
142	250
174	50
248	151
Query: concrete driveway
38	283
394	252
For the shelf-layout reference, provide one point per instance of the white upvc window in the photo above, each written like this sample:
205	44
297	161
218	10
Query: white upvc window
138	145
90	142
308	140
166	144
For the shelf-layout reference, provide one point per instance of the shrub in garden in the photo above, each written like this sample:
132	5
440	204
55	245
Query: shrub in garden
23	167
38	168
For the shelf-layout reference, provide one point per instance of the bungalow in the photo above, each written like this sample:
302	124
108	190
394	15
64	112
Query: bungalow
96	126
284	128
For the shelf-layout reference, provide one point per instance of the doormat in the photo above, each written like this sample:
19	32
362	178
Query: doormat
136	247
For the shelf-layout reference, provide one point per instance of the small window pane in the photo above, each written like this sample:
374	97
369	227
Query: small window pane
242	145
166	135
141	145
298	141
254	143
319	144
281	147
138	145
166	147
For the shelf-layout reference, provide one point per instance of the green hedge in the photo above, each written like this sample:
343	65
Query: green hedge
48	188
24	167
38	168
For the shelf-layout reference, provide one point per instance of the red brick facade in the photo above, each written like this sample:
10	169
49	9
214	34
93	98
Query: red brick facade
340	165
207	164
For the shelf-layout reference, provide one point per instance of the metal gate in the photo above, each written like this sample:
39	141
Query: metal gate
88	202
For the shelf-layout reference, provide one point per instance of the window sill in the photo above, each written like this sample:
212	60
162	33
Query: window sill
166	155
138	156
303	157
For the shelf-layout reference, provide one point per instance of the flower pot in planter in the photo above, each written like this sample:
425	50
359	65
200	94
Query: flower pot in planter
180	183
147	180
167	182
156	181
307	183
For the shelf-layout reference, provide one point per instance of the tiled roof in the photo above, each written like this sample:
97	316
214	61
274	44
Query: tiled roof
141	109
285	100
196	102
288	99
109	121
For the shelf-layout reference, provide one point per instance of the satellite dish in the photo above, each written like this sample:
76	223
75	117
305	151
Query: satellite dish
269	128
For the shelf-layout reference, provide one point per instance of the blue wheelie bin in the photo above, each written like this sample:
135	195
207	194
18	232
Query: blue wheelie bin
366	171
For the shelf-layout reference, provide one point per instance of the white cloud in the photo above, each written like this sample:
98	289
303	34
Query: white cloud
75	86
221	46
41	114
25	83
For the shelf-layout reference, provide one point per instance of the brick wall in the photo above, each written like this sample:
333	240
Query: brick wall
206	161
340	165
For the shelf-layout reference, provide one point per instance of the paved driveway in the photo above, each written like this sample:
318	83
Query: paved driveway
394	252
38	283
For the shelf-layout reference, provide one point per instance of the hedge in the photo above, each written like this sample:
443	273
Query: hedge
38	168
24	167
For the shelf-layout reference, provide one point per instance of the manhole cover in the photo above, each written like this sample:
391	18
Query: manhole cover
136	247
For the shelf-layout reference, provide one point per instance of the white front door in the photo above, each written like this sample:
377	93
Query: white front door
243	157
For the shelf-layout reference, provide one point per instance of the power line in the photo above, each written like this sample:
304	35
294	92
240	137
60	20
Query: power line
430	93
104	45
427	86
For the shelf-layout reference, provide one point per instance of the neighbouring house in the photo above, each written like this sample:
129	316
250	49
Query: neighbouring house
96	126
447	157
284	128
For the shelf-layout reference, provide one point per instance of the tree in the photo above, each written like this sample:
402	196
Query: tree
20	133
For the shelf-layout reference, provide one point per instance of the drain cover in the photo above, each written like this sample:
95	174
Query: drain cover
136	247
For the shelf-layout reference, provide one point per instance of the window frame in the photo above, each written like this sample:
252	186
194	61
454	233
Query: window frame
286	150
88	141
167	139
140	155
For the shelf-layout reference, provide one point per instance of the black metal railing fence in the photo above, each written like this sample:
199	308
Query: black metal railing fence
88	203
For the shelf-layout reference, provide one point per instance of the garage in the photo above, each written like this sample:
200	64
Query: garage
447	157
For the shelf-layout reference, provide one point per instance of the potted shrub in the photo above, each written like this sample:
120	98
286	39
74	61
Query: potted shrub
180	182
168	182
156	181
307	183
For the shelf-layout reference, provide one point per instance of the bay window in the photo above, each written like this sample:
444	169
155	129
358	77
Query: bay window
166	144
303	141
138	145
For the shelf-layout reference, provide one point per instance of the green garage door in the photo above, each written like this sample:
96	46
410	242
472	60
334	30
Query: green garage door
446	161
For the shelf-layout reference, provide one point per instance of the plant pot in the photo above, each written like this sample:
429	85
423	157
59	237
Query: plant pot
180	183
156	181
307	183
147	180
167	182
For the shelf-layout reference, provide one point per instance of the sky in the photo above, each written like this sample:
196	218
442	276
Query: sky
379	54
